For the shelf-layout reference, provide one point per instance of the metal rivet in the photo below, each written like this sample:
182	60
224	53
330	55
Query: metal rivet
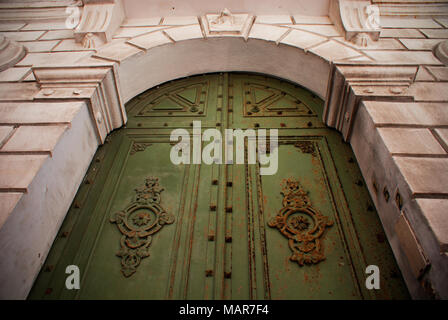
214	182
228	239
386	194
208	273
227	274
229	183
211	237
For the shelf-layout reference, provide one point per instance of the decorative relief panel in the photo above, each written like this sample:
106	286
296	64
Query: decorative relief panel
227	23
260	100
190	99
142	218
303	225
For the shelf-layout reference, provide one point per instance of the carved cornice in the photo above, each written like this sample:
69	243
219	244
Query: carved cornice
97	85
350	84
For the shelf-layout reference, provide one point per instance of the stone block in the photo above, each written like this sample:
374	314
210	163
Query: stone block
420	44
410	141
436	213
23	35
5	132
401	33
274	19
54	25
407	22
442	21
266	32
436	33
34	139
14	74
404	57
58	35
71	45
179	20
407	113
38	112
10	91
17	171
381	44
8	201
443	134
441	73
150	40
185	32
333	50
424	75
299	19
323	30
134	32
302	39
424	176
118	51
40	59
141	22
429	91
40	46
410	245
11	26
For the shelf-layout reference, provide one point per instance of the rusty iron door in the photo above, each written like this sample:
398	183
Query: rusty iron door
141	227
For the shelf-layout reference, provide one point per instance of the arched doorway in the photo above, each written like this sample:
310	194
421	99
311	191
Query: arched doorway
142	227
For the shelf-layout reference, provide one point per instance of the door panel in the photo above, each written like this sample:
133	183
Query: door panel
141	227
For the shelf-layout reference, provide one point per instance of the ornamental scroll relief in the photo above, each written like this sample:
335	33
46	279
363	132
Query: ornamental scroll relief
303	225
138	222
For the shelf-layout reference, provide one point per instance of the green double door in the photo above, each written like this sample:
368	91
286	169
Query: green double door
141	227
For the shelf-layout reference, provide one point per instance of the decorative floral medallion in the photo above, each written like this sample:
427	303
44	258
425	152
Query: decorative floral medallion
138	222
303	225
